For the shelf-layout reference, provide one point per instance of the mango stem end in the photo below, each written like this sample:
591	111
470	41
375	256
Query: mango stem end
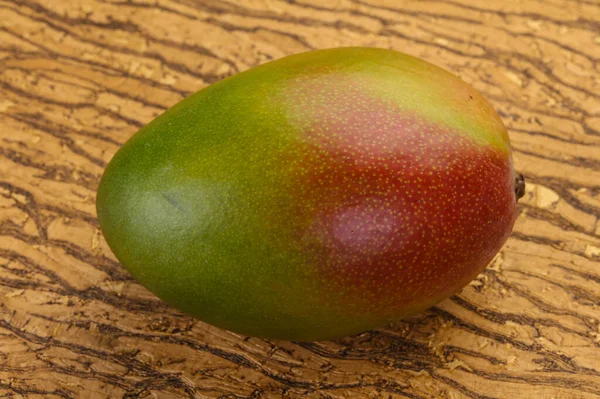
519	186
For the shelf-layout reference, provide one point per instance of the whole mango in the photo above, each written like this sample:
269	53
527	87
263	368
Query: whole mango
315	196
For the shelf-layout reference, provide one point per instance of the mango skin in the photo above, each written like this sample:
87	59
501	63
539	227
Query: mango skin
315	196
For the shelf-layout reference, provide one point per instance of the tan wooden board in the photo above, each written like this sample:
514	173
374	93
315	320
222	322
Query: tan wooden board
77	78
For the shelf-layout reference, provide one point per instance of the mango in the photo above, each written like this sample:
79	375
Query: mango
314	197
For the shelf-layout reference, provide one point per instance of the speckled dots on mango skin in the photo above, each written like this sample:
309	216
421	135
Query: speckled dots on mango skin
400	208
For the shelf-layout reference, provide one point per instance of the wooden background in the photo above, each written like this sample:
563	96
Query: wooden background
78	78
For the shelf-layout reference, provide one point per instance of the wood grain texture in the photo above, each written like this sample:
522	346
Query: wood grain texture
78	78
